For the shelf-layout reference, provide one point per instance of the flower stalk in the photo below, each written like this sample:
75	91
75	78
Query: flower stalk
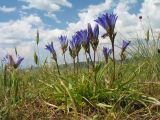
106	52
74	49
51	49
64	45
87	60
93	39
123	49
108	22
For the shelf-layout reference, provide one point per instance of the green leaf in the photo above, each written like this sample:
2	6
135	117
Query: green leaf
36	60
37	37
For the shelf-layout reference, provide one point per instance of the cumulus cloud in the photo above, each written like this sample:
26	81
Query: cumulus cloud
19	30
150	10
88	15
53	16
7	9
21	34
48	6
129	25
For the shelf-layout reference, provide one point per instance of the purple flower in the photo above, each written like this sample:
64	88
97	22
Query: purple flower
64	43
6	60
50	48
93	36
77	41
96	32
75	45
125	44
83	36
106	52
19	60
107	21
9	61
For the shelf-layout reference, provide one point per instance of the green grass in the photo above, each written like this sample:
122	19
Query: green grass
44	94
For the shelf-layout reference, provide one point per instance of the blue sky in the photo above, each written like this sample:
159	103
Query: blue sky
65	14
20	19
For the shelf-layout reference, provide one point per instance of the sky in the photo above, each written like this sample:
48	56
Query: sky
20	19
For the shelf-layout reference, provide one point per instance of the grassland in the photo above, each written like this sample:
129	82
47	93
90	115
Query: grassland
42	93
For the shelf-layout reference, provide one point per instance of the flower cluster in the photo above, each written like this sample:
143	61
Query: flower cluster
90	36
82	38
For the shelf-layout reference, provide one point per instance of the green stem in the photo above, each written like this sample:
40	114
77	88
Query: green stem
5	76
91	60
57	67
114	64
5	80
94	58
65	61
121	55
87	61
74	64
95	75
77	63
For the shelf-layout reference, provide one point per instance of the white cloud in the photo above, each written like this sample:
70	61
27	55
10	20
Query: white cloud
62	2
19	30
7	9
88	15
129	25
53	16
41	5
157	2
150	9
49	6
21	33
